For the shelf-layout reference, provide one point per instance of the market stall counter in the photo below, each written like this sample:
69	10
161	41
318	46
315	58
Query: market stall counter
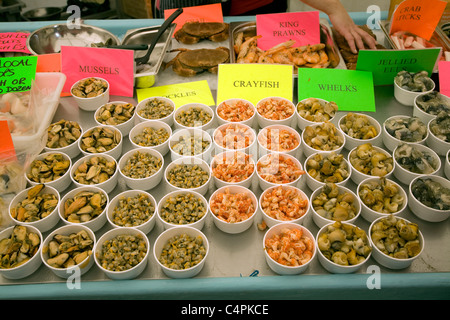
236	266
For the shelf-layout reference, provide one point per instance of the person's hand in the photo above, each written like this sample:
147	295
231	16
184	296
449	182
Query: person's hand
355	36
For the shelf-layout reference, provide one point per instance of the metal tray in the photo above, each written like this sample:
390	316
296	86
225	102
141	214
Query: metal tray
249	29
145	36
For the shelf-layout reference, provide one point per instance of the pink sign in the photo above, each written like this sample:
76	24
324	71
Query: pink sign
14	42
444	77
114	65
275	28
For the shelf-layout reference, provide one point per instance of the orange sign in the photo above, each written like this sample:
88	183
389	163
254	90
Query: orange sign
206	13
418	17
7	150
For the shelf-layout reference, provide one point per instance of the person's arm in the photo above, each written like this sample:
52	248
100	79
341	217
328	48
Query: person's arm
343	23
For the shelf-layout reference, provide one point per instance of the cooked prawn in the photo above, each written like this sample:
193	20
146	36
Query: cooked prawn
290	247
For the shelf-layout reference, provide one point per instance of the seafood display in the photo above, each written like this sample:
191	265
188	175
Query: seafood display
141	165
275	108
122	252
182	252
326	168
155	109
193	32
314	110
84	206
232	207
94	170
190	145
344	244
414	81
65	251
18	248
323	137
62	133
232	168
49	168
332	204
284	204
278	168
382	196
278	140
290	247
100	139
433	103
181	209
440	126
358	126
396	237
414	160
369	160
431	193
151	137
187	176
407	129
36	206
234	136
194	117
235	111
115	113
89	88
188	63
133	211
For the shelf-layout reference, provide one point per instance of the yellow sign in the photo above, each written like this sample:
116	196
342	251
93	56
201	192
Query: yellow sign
180	93
254	82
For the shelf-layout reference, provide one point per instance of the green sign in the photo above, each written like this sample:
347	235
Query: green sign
385	64
17	73
351	90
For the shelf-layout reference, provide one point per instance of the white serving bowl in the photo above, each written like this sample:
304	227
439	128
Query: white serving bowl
129	273
167	119
440	146
321	221
420	113
27	268
72	150
146	183
302	122
247	183
203	189
124	127
269	220
264	184
115	152
197	224
168	234
407	97
447	165
95	224
234	227
162	148
262	146
351	142
313	183
230	129
177	135
333	267
369	214
278	267
391	262
391	142
60	184
250	121
108	185
406	176
188	106
42	225
145	226
82	267
264	122
308	150
421	210
91	104
358	176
